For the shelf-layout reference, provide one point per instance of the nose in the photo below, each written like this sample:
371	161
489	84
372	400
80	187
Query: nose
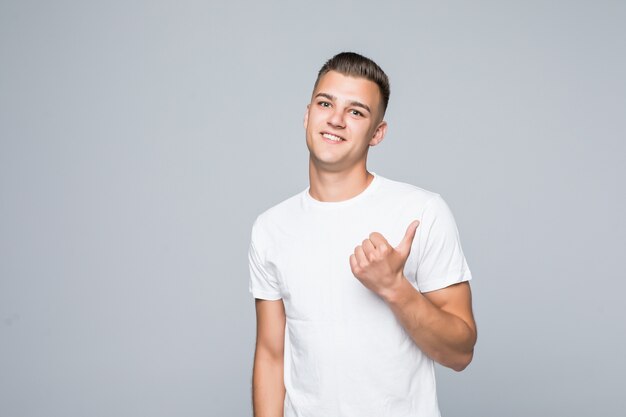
337	118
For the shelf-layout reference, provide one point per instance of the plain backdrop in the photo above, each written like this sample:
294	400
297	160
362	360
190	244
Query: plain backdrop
139	140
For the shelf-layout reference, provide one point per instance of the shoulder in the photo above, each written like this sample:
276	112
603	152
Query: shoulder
277	215
405	193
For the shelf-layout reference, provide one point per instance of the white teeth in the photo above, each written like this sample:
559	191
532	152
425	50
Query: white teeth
332	137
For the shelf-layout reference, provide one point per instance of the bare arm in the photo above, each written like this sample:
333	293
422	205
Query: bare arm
268	388
440	322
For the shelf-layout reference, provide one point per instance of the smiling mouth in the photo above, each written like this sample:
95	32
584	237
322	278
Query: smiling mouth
332	137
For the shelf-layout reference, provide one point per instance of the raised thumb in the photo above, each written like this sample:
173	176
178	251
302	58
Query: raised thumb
405	244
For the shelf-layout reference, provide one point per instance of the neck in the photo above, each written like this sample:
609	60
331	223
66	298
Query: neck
333	186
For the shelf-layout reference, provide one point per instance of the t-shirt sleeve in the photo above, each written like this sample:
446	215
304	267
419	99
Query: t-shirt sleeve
263	281
441	261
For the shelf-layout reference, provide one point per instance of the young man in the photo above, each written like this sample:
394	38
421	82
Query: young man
360	281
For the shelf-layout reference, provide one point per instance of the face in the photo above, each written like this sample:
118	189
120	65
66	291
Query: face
342	121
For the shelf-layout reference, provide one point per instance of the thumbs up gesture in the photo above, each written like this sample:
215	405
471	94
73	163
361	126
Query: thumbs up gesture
378	265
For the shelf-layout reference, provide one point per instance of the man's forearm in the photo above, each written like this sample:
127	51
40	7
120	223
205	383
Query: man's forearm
268	387
443	336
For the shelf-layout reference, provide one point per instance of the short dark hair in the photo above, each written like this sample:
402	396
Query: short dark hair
356	65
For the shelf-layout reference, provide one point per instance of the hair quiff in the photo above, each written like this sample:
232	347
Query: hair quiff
356	65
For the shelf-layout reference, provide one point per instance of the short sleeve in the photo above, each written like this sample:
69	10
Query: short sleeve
263	283
441	261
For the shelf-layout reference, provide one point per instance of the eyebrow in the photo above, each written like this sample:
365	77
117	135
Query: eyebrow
352	103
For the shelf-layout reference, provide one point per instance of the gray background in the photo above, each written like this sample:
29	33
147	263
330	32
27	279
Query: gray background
139	140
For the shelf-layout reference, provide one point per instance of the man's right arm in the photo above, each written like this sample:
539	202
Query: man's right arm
268	387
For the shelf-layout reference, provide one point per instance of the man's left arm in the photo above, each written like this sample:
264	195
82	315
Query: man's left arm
440	322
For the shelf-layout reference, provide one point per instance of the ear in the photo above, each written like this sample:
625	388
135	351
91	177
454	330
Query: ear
379	133
306	116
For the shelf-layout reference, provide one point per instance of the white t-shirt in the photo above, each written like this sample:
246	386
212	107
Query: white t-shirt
346	355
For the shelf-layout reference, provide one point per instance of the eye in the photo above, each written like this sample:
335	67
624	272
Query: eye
324	103
356	112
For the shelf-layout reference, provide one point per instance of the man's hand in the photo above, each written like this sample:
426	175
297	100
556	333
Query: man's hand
378	265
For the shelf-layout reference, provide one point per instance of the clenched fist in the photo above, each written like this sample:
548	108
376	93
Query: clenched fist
378	265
